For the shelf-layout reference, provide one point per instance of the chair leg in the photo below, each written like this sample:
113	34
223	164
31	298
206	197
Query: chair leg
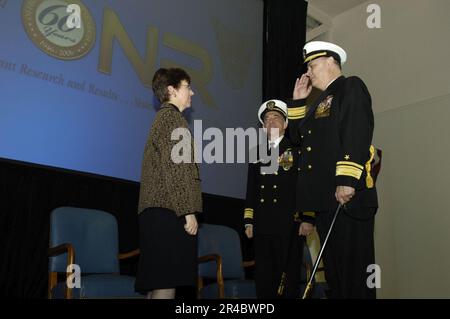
52	279
199	287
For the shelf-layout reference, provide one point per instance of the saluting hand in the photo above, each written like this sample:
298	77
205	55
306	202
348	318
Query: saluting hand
302	88
191	225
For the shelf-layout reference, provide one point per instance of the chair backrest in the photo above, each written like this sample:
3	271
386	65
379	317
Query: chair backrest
92	233
224	241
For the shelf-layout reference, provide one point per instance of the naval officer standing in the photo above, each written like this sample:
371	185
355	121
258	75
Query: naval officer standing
335	134
270	214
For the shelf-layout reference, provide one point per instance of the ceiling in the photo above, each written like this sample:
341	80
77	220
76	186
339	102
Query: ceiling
333	8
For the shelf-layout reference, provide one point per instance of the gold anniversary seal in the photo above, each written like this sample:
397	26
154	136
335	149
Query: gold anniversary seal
45	22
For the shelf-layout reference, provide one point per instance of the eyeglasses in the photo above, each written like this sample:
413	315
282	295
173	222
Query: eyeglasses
186	85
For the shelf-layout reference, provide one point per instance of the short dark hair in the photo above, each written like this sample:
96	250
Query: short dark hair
165	77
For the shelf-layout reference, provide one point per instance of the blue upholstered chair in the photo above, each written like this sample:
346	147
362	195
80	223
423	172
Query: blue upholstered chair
89	239
219	248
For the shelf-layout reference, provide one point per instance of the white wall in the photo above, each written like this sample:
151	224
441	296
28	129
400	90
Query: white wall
405	65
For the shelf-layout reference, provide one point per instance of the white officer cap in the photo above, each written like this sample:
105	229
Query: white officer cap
317	49
273	105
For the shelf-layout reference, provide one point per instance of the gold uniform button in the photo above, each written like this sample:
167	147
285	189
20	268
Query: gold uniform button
308	149
309	167
298	169
262	200
302	136
275	200
309	132
276	173
275	186
299	152
262	186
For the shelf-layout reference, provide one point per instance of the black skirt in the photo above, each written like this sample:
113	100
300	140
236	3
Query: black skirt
168	256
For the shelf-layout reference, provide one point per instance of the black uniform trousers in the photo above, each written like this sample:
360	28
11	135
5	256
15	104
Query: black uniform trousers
275	254
350	249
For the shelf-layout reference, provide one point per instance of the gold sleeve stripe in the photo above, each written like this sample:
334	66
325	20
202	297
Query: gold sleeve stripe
369	179
347	163
296	113
296	117
348	171
310	214
248	213
312	57
297	110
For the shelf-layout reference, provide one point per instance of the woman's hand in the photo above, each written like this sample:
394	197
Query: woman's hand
191	225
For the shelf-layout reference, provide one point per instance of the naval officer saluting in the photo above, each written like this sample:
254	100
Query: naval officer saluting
335	134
